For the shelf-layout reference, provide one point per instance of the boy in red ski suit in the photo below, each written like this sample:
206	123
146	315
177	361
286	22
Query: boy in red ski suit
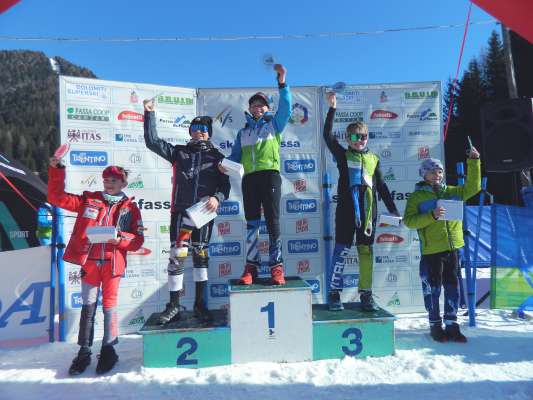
102	264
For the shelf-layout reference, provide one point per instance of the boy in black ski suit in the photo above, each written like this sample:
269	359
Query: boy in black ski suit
195	176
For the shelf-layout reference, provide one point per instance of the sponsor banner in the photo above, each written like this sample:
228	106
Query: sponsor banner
132	97
421	95
174	121
87	114
421	151
225	249
377	134
126	137
146	254
80	180
89	158
173	100
135	159
393	173
385	115
385	97
133	318
139	293
154	205
352	95
303	265
422	133
301	206
302	246
224	228
388	259
229	208
218	291
427	114
387	153
83	92
392	278
300	165
393	300
87	135
301	225
344	117
300	185
73	276
392	239
138	180
139	273
228	268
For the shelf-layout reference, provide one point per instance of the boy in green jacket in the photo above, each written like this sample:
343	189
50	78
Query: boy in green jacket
440	241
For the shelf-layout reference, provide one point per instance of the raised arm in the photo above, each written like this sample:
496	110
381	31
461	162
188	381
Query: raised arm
283	113
331	141
153	142
56	188
473	175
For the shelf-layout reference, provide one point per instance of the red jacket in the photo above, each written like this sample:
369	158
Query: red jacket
93	210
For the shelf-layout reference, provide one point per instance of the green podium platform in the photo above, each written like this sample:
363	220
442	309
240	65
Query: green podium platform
268	323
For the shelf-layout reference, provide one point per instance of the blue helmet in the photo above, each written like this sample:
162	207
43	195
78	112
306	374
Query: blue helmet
430	164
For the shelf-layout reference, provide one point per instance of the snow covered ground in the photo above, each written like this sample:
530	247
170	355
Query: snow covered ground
496	363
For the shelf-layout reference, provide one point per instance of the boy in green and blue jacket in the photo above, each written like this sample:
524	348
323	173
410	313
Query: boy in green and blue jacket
440	241
257	148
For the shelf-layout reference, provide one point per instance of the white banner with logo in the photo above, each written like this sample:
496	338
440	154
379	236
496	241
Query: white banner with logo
25	296
103	122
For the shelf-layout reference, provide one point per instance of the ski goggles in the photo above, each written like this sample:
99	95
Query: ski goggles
199	127
356	137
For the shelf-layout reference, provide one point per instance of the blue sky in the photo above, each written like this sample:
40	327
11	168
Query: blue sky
391	57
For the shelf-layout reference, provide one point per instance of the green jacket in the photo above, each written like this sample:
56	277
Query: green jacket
435	235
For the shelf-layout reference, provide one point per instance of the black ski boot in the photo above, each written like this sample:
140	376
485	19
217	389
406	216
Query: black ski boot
106	360
334	301
367	301
437	333
171	314
454	333
202	313
81	362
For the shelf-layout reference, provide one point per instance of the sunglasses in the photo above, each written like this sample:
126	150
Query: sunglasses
199	127
356	137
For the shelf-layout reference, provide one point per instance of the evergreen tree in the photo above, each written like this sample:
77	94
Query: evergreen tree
29	128
494	70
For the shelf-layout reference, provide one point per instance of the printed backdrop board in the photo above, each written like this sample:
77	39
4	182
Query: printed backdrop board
103	122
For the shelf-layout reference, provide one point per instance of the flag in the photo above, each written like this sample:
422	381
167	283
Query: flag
515	14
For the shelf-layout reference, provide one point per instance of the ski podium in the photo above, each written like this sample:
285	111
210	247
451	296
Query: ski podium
268	323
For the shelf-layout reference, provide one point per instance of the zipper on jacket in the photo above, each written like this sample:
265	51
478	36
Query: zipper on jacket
198	160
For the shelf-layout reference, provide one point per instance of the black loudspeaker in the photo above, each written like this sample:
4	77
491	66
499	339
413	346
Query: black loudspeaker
522	52
507	133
